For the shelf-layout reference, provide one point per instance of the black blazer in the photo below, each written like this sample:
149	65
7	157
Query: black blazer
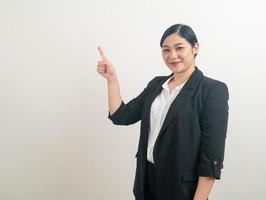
191	141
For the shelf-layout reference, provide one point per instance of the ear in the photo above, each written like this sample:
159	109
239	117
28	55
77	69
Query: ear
196	48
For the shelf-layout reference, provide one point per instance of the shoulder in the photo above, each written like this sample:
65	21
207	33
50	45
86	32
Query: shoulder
157	79
211	82
214	87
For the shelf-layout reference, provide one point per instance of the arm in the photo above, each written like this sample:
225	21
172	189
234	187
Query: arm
130	112
107	70
119	112
213	123
204	187
114	97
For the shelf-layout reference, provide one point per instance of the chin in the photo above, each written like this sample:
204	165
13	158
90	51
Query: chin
177	69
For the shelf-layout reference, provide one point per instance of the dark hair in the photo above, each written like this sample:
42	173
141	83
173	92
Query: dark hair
184	31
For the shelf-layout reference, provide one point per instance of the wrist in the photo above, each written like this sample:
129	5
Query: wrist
112	79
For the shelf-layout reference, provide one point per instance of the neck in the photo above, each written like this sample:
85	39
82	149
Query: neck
179	78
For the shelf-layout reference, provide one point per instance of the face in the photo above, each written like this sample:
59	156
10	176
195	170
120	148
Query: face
178	54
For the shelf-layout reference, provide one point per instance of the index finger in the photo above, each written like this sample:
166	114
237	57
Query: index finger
101	53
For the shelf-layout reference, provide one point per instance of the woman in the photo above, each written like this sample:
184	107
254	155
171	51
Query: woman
183	123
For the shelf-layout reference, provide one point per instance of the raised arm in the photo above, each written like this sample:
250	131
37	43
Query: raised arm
107	70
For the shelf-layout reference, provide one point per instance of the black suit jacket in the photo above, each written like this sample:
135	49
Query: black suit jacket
191	141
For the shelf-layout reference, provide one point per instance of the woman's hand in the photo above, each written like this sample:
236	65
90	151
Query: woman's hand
204	187
104	67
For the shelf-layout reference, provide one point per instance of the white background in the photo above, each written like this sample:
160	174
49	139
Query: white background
56	142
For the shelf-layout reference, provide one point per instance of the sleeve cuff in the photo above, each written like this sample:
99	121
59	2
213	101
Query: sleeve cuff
115	116
210	170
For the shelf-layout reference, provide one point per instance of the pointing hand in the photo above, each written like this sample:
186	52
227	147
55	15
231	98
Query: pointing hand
104	67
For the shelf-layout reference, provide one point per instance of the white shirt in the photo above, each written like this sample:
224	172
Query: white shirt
159	109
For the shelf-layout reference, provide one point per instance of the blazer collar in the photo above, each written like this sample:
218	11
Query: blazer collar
191	82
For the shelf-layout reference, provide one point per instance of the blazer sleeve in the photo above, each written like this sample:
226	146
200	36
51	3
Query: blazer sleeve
213	122
130	112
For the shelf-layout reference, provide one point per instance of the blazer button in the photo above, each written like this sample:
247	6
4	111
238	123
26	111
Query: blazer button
215	162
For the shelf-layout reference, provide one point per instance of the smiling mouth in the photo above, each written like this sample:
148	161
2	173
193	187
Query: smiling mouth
175	63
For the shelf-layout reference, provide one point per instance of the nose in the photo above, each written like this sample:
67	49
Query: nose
173	54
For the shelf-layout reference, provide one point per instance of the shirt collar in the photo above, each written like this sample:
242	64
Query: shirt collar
176	89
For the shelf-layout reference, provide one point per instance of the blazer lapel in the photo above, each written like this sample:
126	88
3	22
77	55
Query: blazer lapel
185	93
155	91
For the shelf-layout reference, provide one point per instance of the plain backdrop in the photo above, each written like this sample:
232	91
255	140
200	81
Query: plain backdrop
56	142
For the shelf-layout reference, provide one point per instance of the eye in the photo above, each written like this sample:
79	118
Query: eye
179	48
165	50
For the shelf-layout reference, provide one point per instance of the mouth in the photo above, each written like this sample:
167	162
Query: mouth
175	63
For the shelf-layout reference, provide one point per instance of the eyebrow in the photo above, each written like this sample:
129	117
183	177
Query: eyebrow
173	45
